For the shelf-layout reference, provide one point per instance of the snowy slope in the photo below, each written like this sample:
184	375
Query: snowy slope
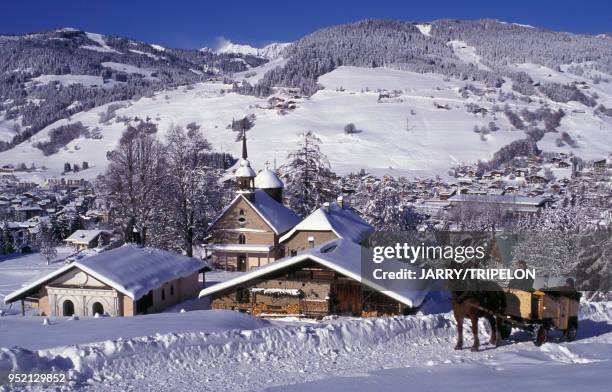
402	135
230	352
270	51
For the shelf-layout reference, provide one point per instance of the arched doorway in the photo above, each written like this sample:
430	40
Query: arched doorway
97	308
67	308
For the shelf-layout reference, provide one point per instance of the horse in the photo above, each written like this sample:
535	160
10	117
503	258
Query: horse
474	304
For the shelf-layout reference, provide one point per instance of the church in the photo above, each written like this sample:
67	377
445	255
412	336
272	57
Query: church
256	228
246	233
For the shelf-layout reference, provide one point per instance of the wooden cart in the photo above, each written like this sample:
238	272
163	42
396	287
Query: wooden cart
540	311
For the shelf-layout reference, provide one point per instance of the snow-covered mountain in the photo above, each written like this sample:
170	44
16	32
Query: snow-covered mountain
458	93
270	52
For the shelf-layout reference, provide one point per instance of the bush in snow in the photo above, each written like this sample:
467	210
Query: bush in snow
350	129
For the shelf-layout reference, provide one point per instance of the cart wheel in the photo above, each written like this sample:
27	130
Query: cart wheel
540	335
505	330
571	331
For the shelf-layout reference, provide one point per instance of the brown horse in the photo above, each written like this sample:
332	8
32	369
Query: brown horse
470	305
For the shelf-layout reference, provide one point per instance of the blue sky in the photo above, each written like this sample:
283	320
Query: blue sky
192	24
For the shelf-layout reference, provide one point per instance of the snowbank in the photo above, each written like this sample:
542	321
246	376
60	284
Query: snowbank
285	347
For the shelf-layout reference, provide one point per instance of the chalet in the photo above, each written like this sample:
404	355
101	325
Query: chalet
85	239
497	174
521	172
447	193
538	180
600	165
317	282
246	233
329	222
125	281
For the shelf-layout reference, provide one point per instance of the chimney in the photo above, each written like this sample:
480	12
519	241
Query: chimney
326	207
340	201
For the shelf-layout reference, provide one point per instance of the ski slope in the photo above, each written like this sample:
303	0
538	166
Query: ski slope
422	129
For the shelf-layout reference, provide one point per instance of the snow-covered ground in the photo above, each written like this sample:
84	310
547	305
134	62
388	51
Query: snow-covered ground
16	270
422	129
228	351
66	80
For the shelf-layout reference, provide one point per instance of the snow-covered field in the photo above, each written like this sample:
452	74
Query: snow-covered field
16	270
423	130
207	350
228	351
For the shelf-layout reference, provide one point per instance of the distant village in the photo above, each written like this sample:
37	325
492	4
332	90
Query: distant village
287	265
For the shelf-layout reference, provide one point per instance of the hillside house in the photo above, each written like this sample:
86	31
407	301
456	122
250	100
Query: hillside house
125	281
509	203
86	239
600	165
536	180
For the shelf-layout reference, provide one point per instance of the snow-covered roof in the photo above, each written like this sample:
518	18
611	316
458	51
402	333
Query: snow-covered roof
344	222
84	236
500	199
342	256
129	269
266	179
276	215
244	169
240	247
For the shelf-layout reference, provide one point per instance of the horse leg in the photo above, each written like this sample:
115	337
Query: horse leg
474	320
494	330
498	327
459	344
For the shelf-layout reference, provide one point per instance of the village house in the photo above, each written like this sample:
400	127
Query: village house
521	172
509	203
125	281
317	282
537	180
329	222
600	165
23	213
246	233
85	239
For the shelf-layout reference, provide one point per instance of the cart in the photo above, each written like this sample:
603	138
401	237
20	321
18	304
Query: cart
538	312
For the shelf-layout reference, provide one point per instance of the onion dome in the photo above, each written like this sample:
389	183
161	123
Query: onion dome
245	170
267	179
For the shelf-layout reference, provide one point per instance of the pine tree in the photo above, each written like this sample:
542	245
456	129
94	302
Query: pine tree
309	181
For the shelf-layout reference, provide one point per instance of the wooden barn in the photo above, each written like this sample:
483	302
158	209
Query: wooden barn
316	282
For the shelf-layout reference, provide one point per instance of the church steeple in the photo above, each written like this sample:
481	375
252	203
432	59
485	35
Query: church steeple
245	175
244	147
